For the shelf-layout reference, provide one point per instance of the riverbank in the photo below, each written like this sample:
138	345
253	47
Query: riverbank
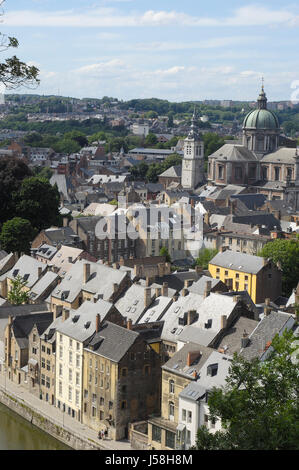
53	421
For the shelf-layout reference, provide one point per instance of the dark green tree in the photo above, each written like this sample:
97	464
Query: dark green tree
165	252
150	140
286	252
259	407
12	172
16	236
39	202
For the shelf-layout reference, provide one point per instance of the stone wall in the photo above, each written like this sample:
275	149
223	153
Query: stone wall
42	422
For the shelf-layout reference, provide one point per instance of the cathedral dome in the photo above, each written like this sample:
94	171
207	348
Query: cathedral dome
261	118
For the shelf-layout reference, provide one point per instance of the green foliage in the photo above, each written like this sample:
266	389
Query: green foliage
17	295
287	253
16	235
38	201
165	252
113	202
43	172
12	172
212	142
150	140
259	407
205	257
151	172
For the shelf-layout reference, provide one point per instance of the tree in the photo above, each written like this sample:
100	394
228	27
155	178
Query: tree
38	202
12	172
259	407
16	236
17	295
205	257
286	252
13	72
151	139
165	252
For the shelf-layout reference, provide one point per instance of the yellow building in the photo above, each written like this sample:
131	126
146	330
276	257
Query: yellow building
260	277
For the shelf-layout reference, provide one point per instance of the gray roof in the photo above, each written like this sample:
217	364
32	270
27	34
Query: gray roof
156	310
43	284
238	261
173	172
194	391
263	334
199	286
27	268
132	304
178	362
46	251
100	281
230	152
81	324
282	155
231	342
112	341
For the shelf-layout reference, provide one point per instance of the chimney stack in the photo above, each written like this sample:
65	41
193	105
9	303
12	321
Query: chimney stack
191	317
185	292
147	296
39	271
115	287
198	269
158	291
86	272
65	314
223	321
207	289
187	283
57	311
147	281
244	340
98	321
129	324
165	289
192	356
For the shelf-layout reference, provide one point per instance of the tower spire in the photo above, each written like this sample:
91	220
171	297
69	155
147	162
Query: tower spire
262	99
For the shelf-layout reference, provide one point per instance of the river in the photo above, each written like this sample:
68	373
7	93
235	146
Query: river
18	434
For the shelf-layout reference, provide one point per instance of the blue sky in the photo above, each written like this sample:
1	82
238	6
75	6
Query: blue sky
168	49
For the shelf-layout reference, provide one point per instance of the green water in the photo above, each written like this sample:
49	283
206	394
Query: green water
18	434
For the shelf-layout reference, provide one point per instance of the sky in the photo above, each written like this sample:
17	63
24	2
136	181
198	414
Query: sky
168	49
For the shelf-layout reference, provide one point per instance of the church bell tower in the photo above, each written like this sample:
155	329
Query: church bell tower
193	161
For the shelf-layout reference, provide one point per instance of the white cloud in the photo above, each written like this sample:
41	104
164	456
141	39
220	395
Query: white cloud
251	15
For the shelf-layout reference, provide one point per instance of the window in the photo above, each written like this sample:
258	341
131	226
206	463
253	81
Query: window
238	172
43	349
171	411
48	382
70	357
226	272
34	351
102	401
77	360
213	422
93	411
183	415
60	370
101	415
34	338
220	172
70	343
246	278
170	439
48	351
70	393
124	372
171	386
43	363
188	437
77	397
110	405
146	370
189	417
237	286
60	352
78	346
70	375
123	405
43	379
60	338
156	433
60	388
277	173
133	356
246	287
212	370
48	365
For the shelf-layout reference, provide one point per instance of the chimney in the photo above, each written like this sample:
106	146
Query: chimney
192	356
86	272
122	261
223	321
207	289
185	292
147	281
191	317
267	310
175	297
115	287
65	221
147	296
158	291
57	311
222	249
98	321
244	340
65	314
187	283
115	265
39	271
70	259
267	301
198	269
161	269
165	289
129	324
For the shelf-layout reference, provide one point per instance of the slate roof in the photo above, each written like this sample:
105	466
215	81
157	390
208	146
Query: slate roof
100	281
199	286
27	268
282	155
238	261
43	284
46	251
112	341
23	324
251	201
131	304
231	342
263	334
172	172
231	152
58	235
178	363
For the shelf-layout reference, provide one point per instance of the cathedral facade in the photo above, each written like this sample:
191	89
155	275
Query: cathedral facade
260	161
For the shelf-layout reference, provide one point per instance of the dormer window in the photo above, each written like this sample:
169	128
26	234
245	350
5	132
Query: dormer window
212	370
